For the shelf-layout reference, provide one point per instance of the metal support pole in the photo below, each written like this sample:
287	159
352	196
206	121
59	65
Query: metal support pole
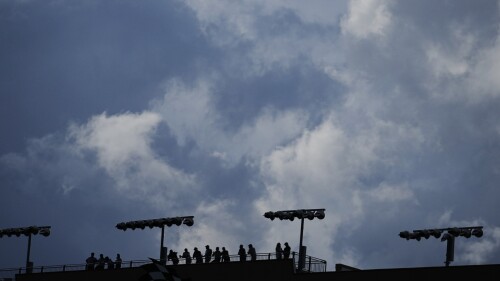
162	237
450	250
300	244
28	255
301	234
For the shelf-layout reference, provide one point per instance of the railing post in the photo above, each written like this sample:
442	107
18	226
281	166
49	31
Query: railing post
309	263
130	264
41	269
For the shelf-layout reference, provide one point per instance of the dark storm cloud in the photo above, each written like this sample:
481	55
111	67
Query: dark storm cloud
67	60
382	112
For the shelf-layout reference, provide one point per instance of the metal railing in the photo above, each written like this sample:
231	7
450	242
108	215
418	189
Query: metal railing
311	264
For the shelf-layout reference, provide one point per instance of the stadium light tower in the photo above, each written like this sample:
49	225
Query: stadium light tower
27	231
449	237
161	223
300	214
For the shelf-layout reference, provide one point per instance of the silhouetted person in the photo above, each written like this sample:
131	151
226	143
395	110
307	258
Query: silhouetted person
217	255
208	254
252	253
242	253
118	261
109	262
91	261
100	262
173	257
279	251
286	251
225	255
187	256
197	255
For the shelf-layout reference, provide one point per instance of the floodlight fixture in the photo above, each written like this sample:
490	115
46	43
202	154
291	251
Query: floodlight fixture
270	215
26	231
320	214
300	214
178	221
449	236
478	232
309	215
455	231
160	223
466	233
188	221
435	232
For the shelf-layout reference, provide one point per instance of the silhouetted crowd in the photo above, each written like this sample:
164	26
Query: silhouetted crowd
93	263
222	254
210	256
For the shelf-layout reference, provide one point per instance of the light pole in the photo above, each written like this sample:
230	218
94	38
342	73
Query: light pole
449	237
27	231
300	214
161	222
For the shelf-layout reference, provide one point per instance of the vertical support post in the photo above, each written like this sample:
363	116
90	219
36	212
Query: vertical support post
162	238
450	250
28	265
301	262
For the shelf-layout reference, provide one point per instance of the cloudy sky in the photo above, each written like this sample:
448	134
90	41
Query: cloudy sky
385	113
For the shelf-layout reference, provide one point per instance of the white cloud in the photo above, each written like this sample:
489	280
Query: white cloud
450	64
479	250
191	115
216	224
473	250
483	82
443	63
122	144
269	45
462	70
228	22
323	168
386	192
117	139
367	18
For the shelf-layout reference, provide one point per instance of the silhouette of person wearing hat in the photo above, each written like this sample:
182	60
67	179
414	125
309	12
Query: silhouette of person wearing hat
208	254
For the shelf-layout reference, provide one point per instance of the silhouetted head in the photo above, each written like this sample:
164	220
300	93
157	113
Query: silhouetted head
217	248
196	249
207	246
186	249
286	243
